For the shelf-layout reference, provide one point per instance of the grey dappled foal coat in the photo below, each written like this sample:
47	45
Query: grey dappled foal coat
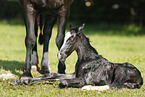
93	69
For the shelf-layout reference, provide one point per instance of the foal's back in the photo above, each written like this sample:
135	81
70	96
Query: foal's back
98	71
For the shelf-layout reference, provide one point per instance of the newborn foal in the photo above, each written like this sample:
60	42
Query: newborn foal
93	69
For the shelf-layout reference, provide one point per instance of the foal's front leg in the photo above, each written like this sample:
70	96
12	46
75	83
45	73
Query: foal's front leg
30	39
76	83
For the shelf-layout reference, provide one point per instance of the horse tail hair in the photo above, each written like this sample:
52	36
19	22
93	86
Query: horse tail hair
40	20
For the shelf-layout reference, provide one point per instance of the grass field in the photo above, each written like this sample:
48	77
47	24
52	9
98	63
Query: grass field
117	43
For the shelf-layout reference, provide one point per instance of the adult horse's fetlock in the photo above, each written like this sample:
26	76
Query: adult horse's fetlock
45	69
61	71
34	61
61	68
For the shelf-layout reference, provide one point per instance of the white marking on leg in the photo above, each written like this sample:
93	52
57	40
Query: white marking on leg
45	60
34	58
33	68
34	61
99	88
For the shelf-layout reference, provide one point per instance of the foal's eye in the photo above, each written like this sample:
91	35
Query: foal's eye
70	39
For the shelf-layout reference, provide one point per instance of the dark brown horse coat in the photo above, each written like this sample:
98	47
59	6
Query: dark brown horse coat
55	10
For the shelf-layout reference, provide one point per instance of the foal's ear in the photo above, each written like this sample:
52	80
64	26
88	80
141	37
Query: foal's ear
80	28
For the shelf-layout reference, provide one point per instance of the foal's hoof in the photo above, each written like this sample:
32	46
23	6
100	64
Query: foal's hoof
44	70
26	76
63	84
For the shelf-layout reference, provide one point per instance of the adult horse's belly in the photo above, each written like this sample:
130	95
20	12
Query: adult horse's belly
47	3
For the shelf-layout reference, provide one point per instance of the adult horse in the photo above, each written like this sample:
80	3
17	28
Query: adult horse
93	69
55	10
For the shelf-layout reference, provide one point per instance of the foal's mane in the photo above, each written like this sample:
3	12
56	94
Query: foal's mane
87	41
82	35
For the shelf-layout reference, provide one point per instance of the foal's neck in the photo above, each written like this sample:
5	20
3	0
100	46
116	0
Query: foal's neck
85	51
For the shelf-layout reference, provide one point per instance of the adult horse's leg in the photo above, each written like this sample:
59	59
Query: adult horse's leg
50	21
30	39
62	21
34	56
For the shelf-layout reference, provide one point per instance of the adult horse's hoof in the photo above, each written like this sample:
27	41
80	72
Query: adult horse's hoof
34	68
45	70
34	59
26	76
61	72
61	67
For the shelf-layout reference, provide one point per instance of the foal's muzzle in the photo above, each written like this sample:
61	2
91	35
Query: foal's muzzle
61	56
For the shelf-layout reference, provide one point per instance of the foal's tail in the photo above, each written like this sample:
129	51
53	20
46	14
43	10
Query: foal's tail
40	23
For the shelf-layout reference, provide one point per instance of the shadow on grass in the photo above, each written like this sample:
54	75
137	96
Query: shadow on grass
19	21
12	66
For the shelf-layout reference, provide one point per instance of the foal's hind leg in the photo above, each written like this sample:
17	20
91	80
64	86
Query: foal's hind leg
50	21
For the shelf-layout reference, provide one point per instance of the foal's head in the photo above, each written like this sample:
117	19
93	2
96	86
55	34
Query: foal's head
71	40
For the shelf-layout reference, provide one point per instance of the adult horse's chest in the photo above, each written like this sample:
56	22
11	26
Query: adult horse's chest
47	4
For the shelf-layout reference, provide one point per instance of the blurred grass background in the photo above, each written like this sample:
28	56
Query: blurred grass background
116	30
116	42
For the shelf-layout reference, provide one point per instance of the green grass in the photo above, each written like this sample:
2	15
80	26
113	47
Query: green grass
117	43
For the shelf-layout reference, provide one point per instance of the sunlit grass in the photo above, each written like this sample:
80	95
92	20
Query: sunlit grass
114	42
